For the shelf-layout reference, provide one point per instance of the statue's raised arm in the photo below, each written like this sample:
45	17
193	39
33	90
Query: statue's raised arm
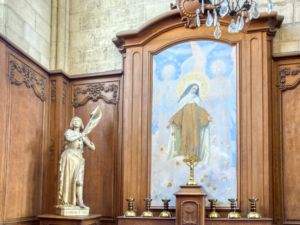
95	118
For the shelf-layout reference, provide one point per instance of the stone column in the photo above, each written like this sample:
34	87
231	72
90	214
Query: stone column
60	35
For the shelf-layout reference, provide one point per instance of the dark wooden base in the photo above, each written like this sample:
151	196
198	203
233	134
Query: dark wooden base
122	220
172	221
51	219
243	221
190	205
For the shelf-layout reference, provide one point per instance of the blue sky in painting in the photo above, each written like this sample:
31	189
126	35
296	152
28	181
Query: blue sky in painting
180	53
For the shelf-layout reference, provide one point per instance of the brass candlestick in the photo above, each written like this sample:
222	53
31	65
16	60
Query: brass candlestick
233	206
213	213
253	214
191	160
130	212
165	213
147	212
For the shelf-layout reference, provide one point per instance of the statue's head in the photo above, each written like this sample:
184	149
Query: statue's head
76	122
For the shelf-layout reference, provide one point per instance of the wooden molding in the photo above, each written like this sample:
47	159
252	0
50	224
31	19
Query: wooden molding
109	92
178	17
20	73
286	56
87	75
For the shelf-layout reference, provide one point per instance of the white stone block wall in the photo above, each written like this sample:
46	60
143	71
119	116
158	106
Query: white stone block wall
86	43
93	24
27	23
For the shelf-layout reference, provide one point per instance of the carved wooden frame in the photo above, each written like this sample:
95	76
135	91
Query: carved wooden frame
238	72
254	66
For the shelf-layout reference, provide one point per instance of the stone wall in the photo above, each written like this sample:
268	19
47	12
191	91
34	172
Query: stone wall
27	23
82	30
93	24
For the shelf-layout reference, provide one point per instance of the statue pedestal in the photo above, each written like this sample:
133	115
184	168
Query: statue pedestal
190	206
51	219
73	211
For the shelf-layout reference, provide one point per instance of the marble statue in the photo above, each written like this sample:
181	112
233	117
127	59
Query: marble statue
71	166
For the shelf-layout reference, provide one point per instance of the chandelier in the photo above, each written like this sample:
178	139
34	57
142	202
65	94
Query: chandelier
240	11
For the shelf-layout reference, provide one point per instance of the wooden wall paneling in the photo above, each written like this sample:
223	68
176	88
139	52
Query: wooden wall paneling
259	136
4	124
255	122
119	155
37	106
135	173
291	156
102	185
244	124
287	155
59	103
268	119
276	153
25	139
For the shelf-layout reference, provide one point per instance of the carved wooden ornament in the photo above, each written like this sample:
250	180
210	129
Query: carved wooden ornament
64	92
53	90
108	92
20	73
187	9
189	213
289	77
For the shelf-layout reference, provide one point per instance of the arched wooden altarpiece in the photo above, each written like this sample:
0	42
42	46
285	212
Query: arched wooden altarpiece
254	105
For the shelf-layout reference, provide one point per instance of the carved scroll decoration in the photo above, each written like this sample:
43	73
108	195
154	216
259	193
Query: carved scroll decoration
189	213
52	149
286	71
119	43
64	92
20	73
108	92
53	90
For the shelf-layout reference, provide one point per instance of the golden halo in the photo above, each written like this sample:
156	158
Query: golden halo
190	78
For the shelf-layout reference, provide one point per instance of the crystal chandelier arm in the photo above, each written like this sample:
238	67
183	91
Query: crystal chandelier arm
237	7
240	12
218	5
228	4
